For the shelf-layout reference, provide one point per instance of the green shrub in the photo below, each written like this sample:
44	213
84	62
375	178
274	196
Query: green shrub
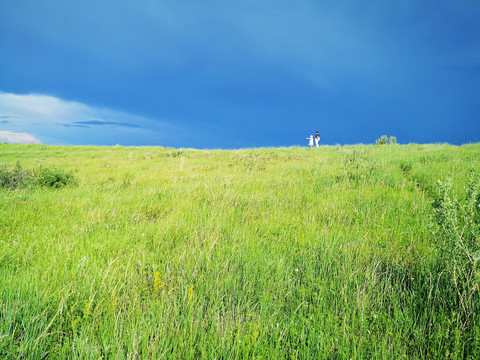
55	178
384	139
392	140
18	177
14	177
457	232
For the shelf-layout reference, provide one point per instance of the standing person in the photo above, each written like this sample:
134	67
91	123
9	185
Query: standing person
310	142
317	138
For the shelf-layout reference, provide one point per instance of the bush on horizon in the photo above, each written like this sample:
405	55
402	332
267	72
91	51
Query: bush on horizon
384	139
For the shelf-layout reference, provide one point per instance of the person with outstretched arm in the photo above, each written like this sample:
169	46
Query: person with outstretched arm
310	142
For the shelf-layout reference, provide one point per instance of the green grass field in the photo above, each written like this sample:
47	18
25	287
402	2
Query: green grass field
353	252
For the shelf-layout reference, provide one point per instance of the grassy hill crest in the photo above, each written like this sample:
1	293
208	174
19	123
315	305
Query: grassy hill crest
337	252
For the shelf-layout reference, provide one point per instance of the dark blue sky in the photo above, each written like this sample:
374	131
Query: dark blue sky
232	74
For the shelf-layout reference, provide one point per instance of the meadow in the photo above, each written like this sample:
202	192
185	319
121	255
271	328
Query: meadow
341	252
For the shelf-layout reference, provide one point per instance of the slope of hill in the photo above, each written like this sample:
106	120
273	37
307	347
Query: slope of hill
336	252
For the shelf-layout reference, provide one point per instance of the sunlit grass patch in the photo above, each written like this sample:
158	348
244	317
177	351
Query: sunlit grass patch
266	253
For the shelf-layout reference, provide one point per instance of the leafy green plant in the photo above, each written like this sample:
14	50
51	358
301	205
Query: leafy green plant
384	139
52	177
381	140
15	177
458	242
18	177
392	140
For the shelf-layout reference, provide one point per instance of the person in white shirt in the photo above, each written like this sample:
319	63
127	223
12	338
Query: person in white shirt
310	142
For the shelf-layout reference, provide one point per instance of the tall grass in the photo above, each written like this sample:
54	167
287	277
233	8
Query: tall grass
338	252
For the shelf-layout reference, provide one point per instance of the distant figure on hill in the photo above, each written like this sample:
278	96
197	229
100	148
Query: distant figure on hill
317	138
310	142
